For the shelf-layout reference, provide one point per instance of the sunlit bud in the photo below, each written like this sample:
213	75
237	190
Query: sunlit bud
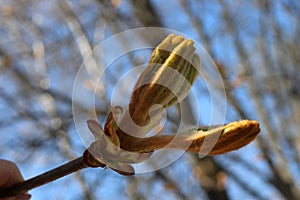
168	77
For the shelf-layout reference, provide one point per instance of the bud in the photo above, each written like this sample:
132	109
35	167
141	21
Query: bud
168	77
105	150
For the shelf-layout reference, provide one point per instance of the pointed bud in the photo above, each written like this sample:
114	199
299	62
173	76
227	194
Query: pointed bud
168	77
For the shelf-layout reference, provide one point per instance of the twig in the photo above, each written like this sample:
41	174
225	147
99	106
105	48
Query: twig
232	136
44	178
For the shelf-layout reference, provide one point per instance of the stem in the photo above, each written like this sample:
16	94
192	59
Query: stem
229	137
44	178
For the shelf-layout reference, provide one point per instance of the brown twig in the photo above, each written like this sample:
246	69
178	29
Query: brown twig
230	137
44	178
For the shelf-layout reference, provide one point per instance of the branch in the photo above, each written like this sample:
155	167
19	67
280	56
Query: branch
232	136
44	178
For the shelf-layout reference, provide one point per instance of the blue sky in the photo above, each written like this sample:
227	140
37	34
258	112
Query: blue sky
173	17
